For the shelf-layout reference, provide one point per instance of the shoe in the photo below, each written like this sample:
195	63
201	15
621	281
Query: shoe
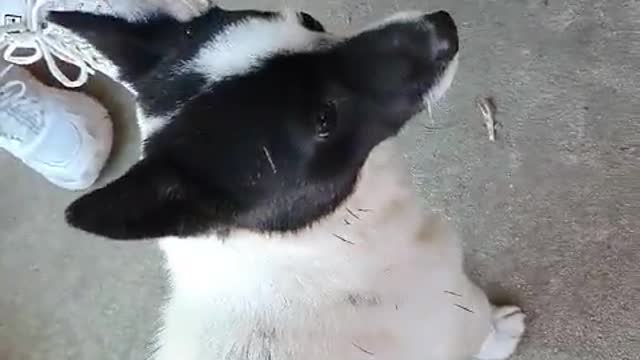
24	30
27	37
65	136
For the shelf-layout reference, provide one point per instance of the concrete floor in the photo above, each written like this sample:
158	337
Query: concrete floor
550	212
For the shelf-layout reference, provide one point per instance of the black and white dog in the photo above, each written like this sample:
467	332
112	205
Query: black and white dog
269	179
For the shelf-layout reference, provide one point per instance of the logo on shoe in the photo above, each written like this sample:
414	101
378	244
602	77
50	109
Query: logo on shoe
11	19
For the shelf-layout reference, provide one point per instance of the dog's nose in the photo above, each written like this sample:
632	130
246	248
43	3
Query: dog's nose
445	45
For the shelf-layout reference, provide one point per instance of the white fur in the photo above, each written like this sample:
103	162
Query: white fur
400	17
182	10
507	329
242	46
446	79
150	124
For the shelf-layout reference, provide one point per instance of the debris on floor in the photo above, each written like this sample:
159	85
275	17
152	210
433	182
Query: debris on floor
487	108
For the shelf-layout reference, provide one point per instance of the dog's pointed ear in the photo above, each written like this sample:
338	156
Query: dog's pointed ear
134	47
151	200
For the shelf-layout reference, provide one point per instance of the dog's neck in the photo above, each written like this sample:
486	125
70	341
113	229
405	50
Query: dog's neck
380	217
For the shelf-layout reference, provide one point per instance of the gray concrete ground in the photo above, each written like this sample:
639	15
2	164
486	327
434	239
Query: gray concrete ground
550	212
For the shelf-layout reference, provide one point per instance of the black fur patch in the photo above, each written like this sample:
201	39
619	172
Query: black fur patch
274	149
148	51
310	22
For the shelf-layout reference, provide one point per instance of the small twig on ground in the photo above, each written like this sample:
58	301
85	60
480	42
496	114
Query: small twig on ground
487	108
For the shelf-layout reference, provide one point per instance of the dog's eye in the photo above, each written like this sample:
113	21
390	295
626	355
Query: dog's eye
326	120
310	22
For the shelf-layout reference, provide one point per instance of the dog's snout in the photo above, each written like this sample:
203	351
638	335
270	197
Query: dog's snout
445	45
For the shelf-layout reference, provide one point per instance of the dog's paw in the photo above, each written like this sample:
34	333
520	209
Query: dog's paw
508	327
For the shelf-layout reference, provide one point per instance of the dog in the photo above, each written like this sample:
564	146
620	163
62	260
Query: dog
269	179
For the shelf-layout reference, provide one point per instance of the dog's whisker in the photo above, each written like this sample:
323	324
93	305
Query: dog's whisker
429	112
353	214
363	349
464	308
270	159
341	238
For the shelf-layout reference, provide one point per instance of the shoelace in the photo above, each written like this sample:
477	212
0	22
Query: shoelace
40	40
11	92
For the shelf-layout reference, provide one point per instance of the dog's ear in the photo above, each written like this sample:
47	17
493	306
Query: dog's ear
151	200
134	47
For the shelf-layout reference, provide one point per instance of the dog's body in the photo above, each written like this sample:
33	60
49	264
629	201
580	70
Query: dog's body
300	238
378	276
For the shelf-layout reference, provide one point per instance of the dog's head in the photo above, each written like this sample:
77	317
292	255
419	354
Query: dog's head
265	118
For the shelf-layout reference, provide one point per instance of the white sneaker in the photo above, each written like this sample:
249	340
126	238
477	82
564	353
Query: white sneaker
27	37
65	136
23	27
